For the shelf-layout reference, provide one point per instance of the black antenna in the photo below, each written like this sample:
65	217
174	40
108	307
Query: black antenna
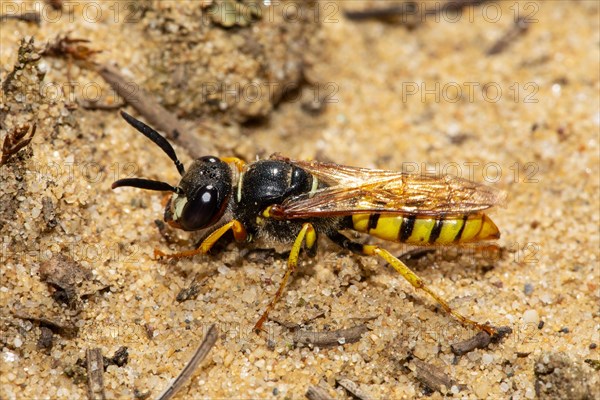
147	184
157	138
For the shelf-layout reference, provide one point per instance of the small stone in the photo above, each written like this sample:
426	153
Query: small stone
223	269
487	359
249	295
482	390
531	317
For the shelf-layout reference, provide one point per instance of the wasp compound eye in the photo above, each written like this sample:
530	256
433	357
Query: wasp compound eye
209	159
202	210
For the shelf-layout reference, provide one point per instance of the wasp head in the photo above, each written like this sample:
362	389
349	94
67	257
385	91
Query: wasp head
201	197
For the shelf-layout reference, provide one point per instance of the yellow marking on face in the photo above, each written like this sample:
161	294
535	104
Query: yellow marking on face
178	205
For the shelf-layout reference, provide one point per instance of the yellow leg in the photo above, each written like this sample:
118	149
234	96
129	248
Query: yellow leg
418	283
238	232
307	235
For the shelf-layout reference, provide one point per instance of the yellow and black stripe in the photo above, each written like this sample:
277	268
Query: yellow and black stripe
413	229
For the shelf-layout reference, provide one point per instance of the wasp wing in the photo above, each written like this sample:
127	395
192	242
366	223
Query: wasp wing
353	190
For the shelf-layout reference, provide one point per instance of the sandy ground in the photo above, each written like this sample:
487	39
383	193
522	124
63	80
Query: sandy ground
431	98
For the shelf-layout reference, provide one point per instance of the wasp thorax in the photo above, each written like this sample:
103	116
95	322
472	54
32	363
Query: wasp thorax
202	196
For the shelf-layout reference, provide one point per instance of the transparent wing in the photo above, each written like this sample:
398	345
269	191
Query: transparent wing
355	190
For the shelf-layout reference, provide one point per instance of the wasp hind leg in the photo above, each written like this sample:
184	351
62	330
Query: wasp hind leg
239	233
308	236
409	275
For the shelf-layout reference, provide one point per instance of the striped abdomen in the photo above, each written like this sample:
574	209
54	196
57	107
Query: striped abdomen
427	230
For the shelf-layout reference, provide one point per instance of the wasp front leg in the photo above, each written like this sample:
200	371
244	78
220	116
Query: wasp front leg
409	275
239	233
308	236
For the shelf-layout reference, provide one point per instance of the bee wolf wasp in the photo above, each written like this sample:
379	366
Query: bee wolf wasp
294	202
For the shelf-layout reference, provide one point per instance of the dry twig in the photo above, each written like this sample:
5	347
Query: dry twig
54	323
207	344
520	26
317	393
155	114
408	13
95	369
31	16
479	341
333	338
353	388
434	378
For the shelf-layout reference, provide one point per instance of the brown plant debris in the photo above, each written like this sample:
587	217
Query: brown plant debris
559	377
330	338
95	371
120	358
27	57
407	13
55	4
353	388
317	393
517	29
191	291
155	114
15	141
431	376
479	341
186	374
54	322
67	277
64	46
28	16
593	363
45	341
48	212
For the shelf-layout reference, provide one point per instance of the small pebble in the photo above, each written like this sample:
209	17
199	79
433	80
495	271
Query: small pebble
487	359
541	324
528	289
223	269
249	295
530	393
531	317
564	330
9	356
593	346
